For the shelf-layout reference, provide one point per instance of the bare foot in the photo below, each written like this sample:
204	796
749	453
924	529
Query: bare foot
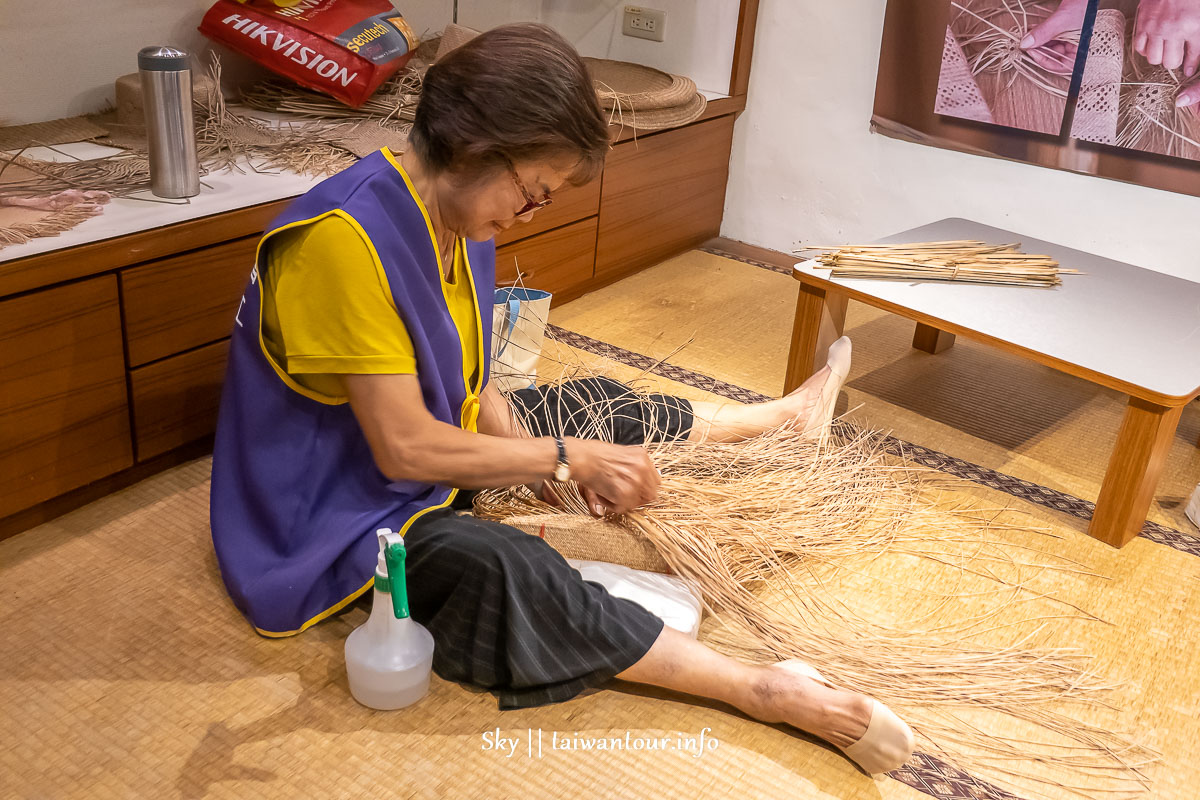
838	363
799	405
809	407
839	717
884	743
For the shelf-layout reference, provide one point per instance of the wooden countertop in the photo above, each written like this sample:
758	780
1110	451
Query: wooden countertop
230	205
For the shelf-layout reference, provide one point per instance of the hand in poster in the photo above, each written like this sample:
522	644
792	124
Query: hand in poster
1189	95
1043	43
1168	33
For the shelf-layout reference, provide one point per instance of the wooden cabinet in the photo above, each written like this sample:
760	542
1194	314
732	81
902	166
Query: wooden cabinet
555	262
570	205
662	194
175	400
64	420
175	304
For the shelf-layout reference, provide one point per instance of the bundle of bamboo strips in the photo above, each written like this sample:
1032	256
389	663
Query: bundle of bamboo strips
963	261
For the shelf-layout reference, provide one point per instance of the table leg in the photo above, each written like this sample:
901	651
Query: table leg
820	319
1133	471
931	340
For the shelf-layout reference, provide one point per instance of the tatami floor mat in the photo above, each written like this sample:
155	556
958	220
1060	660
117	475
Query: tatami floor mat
127	672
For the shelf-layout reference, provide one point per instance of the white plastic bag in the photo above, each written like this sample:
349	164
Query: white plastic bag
667	597
518	328
1193	507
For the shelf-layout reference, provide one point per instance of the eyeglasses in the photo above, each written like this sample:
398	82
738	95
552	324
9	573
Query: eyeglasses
530	204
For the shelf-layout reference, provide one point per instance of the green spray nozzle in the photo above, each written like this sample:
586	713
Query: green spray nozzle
392	549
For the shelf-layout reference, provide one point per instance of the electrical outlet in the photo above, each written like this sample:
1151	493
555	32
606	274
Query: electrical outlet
644	23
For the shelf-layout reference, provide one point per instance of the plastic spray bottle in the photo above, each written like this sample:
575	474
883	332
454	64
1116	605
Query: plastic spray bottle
389	657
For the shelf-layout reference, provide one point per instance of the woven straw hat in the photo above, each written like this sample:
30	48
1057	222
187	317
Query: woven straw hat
657	119
637	87
642	97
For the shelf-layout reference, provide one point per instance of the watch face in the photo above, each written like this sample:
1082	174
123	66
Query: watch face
562	472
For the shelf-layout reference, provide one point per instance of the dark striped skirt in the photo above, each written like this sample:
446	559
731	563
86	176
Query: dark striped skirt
506	611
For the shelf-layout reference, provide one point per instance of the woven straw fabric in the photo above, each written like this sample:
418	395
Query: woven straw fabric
590	539
364	138
452	37
958	93
19	223
56	131
1097	109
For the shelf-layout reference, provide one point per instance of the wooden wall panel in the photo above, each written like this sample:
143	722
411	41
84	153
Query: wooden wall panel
554	262
64	420
570	205
743	48
179	303
662	194
175	400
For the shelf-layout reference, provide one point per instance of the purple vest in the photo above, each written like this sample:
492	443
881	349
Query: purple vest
296	495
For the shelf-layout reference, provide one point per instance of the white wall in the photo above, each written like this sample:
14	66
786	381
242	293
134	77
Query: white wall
806	168
699	34
59	58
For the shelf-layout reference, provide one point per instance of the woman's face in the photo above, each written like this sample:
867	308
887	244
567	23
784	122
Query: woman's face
481	209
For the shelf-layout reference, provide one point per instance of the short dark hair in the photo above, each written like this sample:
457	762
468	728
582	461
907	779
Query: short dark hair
514	93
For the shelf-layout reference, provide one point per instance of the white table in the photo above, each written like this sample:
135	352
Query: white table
1118	325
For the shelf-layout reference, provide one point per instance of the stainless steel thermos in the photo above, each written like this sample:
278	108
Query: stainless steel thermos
166	75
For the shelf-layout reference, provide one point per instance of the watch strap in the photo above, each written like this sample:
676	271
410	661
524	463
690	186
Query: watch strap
561	465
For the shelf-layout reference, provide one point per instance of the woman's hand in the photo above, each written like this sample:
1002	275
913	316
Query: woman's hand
1168	33
1042	42
1189	95
613	478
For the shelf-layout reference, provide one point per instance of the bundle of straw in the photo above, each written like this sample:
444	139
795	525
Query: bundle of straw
119	175
396	100
784	536
963	261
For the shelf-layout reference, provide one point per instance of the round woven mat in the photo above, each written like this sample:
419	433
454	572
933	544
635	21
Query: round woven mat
657	119
638	87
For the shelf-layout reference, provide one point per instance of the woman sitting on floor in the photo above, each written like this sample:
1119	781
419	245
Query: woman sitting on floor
357	397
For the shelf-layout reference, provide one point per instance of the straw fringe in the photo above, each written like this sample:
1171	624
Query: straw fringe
119	175
52	224
394	101
784	536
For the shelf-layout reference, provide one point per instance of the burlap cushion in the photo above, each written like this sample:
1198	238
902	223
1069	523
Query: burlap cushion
590	539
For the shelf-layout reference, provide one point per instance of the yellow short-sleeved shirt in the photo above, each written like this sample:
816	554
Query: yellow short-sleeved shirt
328	311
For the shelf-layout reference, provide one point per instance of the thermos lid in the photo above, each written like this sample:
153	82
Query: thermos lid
163	59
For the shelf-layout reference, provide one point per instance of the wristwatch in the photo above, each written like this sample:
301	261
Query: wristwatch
562	471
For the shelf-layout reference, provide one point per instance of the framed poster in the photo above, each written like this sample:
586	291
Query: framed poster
1104	87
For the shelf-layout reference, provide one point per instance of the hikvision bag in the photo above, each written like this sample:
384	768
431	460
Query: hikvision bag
344	48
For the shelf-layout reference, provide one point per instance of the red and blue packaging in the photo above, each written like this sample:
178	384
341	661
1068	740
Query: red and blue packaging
343	48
